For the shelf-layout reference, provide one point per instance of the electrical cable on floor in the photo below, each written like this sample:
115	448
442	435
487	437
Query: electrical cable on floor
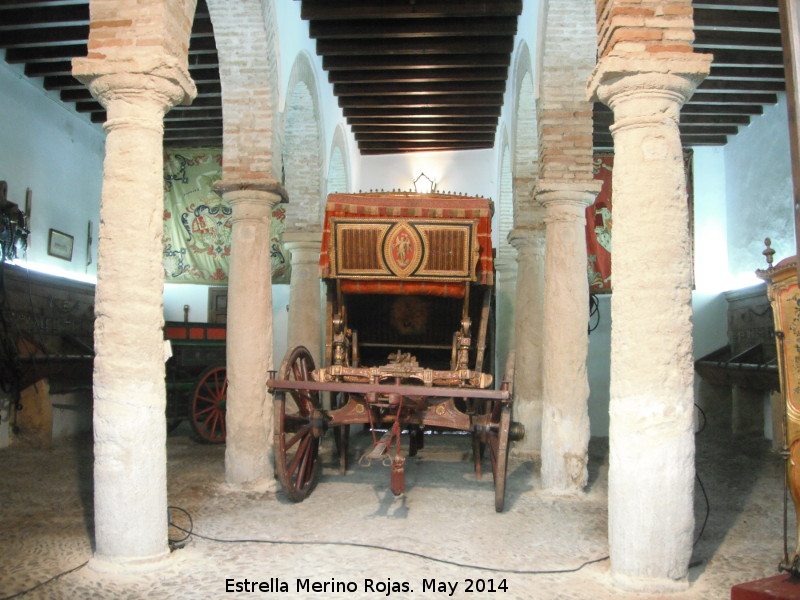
702	489
43	583
189	532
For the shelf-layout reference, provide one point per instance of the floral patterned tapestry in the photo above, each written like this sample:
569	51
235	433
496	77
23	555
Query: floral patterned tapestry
599	221
197	222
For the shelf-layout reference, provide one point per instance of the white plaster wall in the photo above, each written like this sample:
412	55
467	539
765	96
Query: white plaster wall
758	186
58	153
470	172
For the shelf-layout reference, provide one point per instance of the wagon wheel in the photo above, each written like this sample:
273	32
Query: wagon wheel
298	426
498	450
341	435
207	410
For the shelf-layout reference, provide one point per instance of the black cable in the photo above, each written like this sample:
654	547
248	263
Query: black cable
43	583
594	310
385	549
700	481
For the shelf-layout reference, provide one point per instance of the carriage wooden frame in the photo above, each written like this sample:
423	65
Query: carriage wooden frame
383	257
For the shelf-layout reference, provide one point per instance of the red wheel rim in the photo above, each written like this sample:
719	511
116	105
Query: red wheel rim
209	405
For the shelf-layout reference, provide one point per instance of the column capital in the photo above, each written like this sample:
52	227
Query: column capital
251	199
663	83
567	197
523	238
161	76
302	246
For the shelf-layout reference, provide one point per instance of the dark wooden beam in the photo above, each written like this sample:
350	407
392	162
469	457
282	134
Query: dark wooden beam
728	57
45	53
606	118
423	112
375	62
736	39
181	124
402	120
736	19
416	47
422	101
419	9
182	113
82	94
750	85
45	36
419	75
412	28
61	16
409	89
735	98
758	73
61	67
697	108
432	127
737	4
428	137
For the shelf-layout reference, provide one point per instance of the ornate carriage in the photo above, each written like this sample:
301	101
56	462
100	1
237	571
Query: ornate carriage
410	295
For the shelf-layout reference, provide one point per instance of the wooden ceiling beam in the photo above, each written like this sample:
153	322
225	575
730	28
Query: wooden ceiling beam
408	121
432	127
737	4
38	16
419	75
750	85
742	97
758	73
419	9
416	47
736	39
412	28
375	62
411	89
705	18
423	112
428	137
698	119
751	58
182	113
422	101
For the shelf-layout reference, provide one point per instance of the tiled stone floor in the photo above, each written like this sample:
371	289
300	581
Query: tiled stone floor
446	514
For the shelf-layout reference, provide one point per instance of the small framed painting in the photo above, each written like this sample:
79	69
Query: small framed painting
60	245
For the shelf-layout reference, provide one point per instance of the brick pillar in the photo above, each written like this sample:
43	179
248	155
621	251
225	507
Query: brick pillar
304	292
565	383
130	484
651	396
248	453
529	242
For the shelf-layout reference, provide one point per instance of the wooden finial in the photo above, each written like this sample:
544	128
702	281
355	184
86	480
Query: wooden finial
768	252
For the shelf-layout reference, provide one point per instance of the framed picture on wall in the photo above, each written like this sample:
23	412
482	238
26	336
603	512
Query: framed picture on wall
60	244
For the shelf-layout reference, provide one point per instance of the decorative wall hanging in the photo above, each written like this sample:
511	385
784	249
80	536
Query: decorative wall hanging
197	221
599	221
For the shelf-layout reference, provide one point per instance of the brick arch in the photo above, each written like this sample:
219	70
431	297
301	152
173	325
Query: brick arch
504	215
525	151
245	32
338	168
302	153
568	56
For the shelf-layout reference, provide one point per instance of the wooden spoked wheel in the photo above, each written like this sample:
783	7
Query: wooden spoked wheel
207	410
497	440
298	427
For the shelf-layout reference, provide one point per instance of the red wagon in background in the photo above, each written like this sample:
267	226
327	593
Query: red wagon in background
409	339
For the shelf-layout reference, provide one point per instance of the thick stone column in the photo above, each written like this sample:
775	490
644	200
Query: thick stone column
651	473
505	266
248	452
565	383
130	484
304	292
529	242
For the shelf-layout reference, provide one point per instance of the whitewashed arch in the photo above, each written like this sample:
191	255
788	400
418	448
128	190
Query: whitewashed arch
302	152
338	167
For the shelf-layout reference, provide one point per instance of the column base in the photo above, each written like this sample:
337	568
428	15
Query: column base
650	585
259	486
119	565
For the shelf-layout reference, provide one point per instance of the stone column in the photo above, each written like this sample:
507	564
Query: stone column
248	453
529	242
651	474
565	383
130	483
304	292
505	266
